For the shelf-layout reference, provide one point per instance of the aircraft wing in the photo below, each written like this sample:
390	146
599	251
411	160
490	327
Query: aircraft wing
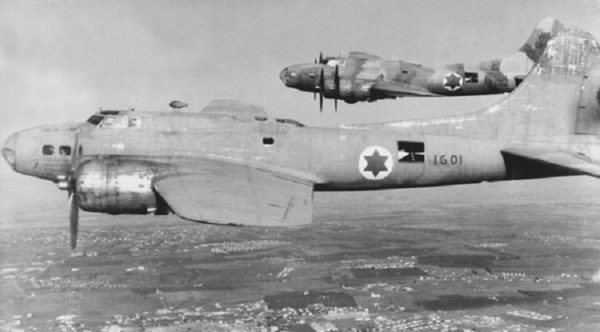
223	192
397	89
546	160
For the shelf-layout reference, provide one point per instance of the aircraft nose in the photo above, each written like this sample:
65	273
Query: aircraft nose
9	150
283	76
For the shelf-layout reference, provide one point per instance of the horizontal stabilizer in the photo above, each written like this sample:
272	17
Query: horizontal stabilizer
538	162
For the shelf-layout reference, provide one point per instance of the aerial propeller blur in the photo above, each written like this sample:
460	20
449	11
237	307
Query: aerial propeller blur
336	87
321	88
73	216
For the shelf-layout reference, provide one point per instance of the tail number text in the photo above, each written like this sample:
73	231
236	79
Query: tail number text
445	159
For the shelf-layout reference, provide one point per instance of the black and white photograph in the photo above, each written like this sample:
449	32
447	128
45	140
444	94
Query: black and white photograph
306	166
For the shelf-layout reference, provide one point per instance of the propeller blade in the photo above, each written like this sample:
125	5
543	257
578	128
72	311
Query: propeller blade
321	89
73	218
336	83
320	57
320	102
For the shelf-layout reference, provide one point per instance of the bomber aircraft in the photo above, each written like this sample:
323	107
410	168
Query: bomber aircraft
366	77
230	164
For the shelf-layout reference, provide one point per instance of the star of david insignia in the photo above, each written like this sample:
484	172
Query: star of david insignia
375	163
452	81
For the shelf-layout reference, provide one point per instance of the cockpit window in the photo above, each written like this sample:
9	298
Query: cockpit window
109	112
292	74
64	150
334	62
48	150
135	122
95	119
116	122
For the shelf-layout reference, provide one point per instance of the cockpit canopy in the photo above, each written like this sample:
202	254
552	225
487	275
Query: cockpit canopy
114	119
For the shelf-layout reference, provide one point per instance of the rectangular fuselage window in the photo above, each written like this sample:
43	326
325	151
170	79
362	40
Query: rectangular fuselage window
64	150
411	152
48	150
471	77
268	140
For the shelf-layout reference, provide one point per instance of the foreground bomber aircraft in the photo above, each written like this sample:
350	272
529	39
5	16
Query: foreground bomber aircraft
365	77
229	164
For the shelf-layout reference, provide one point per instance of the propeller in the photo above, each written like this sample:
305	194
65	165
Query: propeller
71	186
73	216
321	89
336	85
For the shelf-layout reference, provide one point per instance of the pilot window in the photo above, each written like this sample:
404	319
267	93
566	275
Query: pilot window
135	122
64	150
116	122
95	119
268	140
48	150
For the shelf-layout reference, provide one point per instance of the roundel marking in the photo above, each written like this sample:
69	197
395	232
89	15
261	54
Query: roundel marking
452	81
375	163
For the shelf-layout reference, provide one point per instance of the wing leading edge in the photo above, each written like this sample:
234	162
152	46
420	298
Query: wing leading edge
221	192
396	89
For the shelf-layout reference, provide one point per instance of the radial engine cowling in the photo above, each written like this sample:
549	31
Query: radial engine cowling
355	91
116	186
349	91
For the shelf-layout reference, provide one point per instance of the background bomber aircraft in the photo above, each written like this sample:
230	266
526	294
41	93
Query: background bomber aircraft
229	164
366	77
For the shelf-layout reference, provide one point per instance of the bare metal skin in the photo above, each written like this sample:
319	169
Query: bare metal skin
229	164
366	77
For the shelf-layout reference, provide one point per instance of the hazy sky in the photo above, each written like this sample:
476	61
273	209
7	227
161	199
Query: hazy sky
62	60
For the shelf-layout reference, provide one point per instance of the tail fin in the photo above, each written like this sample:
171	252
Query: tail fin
560	97
543	32
560	94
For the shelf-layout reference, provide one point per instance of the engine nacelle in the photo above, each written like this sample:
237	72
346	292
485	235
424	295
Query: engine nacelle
350	91
116	186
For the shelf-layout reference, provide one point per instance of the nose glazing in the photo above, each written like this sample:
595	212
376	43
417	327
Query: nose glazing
284	75
9	150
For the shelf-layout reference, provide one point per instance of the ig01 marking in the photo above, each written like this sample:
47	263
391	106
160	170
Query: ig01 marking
447	159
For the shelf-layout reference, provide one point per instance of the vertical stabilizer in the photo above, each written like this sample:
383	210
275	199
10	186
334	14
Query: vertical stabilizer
588	112
543	32
548	102
558	98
